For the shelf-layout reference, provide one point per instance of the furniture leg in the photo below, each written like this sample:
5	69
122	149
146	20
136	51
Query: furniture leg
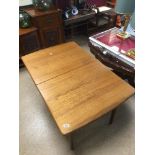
72	141
131	81
72	31
87	28
113	112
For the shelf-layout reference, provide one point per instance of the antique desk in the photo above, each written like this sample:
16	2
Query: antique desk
75	86
81	21
113	52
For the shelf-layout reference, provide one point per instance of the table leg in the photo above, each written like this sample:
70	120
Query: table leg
72	141
113	112
72	31
131	81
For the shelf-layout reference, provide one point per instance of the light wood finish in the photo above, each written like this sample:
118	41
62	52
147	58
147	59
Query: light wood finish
75	86
54	61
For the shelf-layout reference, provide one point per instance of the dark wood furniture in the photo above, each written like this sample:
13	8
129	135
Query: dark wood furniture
28	41
77	90
62	4
105	15
81	21
49	24
120	67
110	16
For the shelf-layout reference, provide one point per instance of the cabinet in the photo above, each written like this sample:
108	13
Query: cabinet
49	24
28	41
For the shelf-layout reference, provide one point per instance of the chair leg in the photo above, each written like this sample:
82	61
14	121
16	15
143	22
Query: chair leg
113	112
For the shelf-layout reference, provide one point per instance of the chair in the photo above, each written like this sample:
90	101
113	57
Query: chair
104	17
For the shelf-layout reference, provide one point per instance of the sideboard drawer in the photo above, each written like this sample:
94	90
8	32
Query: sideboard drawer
47	20
49	24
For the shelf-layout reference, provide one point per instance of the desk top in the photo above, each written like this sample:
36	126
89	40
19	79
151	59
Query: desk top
75	86
81	16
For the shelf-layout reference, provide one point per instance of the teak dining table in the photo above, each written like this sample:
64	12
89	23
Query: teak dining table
75	86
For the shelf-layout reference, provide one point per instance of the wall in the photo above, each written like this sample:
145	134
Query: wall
25	2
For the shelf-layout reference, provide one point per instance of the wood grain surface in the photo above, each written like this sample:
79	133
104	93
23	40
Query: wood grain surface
76	87
54	61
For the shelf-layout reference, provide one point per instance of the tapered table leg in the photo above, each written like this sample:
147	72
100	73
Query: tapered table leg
72	141
113	112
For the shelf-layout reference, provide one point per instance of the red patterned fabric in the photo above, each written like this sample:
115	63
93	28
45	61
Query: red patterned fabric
97	3
112	40
62	4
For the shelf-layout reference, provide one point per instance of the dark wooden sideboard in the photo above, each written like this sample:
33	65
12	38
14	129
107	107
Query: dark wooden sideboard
28	41
49	24
46	30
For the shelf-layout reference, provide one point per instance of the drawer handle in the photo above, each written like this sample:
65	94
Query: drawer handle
105	52
49	20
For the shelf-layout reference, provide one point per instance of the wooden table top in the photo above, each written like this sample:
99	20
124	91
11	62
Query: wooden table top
76	87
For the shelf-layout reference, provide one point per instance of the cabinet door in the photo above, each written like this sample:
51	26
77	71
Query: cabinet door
29	43
50	36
